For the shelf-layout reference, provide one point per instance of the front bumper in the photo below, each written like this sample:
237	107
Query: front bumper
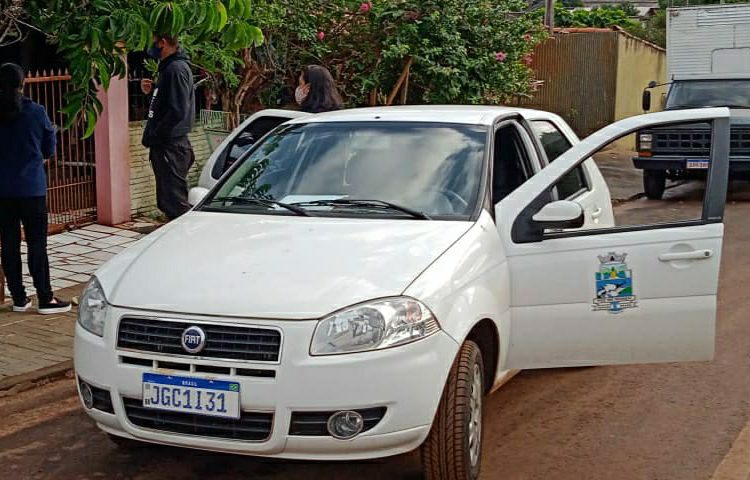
668	162
407	380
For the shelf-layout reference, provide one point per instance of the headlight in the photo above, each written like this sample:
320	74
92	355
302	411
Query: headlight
93	308
646	140
373	326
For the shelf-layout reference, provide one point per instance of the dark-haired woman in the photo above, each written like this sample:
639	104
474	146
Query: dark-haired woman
317	92
27	138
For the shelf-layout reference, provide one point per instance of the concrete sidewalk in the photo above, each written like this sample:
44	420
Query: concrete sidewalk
34	347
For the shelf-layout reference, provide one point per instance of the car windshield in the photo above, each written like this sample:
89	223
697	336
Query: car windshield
709	93
398	170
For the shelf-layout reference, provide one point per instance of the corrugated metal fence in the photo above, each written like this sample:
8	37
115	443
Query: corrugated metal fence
578	75
71	190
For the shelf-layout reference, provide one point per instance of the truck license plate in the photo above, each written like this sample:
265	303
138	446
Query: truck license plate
701	164
200	396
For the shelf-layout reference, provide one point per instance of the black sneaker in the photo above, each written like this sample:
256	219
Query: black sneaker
53	306
22	306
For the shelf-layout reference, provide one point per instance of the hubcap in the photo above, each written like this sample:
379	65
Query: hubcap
475	417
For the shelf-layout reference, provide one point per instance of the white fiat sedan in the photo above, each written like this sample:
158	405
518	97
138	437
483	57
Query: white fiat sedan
351	284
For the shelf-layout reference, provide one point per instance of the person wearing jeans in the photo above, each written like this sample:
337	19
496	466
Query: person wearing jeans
28	138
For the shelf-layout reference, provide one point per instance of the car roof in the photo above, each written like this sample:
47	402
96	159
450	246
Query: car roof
459	114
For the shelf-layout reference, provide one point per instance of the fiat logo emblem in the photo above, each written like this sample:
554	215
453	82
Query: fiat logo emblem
193	339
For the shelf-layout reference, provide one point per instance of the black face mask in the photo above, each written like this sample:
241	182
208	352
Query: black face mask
154	52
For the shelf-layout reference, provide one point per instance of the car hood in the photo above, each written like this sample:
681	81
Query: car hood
282	267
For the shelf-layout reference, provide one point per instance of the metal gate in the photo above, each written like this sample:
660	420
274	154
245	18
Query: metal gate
71	174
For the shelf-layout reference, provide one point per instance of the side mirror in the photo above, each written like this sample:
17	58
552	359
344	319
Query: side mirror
652	84
195	195
560	215
646	100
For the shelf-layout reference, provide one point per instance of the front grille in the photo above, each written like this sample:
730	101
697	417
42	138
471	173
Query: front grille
315	424
197	368
222	341
698	142
251	426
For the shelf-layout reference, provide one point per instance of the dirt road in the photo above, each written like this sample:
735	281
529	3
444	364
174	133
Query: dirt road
666	422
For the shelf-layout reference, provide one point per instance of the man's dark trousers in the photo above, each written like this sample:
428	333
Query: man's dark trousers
171	163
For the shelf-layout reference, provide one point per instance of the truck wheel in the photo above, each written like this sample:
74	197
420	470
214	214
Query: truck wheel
654	183
453	448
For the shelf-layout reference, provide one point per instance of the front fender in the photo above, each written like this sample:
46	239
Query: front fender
470	282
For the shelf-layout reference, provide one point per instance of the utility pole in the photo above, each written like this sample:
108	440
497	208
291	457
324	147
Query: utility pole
549	15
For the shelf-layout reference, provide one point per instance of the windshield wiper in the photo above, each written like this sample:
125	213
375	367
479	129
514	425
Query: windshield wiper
343	202
261	201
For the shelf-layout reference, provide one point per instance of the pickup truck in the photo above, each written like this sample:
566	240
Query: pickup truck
682	151
708	63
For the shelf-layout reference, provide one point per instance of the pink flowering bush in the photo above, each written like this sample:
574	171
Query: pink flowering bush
461	52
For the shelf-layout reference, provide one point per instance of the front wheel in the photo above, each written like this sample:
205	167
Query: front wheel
453	449
654	183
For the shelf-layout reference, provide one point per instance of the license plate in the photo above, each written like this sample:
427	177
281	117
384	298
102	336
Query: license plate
201	396
697	164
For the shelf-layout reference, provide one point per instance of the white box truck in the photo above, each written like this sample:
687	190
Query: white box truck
708	58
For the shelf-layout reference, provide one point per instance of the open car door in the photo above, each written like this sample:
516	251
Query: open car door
640	293
240	140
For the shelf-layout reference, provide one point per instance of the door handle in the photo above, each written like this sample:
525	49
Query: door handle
694	255
597	213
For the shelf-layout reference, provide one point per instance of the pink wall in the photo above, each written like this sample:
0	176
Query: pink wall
113	156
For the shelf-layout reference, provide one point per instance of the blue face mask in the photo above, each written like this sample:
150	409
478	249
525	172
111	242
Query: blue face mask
154	52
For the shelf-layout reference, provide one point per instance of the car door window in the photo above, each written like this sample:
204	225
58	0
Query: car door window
511	162
555	144
683	198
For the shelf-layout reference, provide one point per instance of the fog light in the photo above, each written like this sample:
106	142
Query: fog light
87	395
345	425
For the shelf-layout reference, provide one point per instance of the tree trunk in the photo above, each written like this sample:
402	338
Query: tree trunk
401	79
249	73
226	99
405	89
253	78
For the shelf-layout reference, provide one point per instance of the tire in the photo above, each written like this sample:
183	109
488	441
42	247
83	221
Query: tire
654	183
453	448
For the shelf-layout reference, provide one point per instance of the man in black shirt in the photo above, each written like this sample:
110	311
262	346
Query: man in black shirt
170	119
